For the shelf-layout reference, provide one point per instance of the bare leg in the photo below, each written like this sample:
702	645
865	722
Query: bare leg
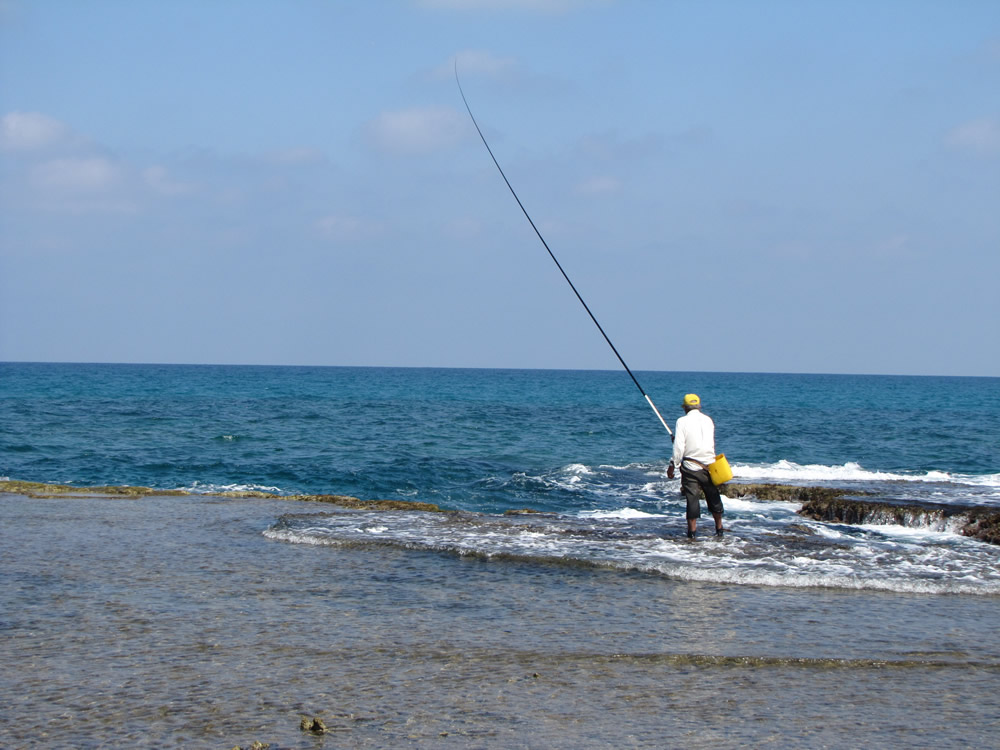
693	525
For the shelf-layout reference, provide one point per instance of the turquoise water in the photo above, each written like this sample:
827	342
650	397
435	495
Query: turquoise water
202	621
583	446
462	437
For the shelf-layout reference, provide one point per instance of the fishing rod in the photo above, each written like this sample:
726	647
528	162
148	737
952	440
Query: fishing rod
556	260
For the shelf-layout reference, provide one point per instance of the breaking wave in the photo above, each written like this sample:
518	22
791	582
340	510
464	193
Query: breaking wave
766	545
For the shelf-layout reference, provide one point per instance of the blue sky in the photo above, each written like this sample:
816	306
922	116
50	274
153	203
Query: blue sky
736	186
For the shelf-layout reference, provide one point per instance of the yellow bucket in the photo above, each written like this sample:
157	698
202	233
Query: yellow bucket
719	470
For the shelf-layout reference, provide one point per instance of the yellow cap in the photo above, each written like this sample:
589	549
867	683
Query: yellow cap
692	400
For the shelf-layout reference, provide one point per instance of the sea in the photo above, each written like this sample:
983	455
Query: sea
556	602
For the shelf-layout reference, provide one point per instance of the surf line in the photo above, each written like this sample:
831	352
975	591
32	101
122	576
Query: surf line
556	260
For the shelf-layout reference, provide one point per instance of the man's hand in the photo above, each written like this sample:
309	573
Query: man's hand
670	470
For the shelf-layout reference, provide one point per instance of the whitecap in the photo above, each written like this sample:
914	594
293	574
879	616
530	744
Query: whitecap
762	552
983	480
852	471
199	488
620	513
758	506
913	533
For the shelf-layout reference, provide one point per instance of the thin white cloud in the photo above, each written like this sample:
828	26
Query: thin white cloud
599	185
895	246
339	228
465	228
472	63
981	136
415	131
58	171
31	131
611	147
159	180
476	62
81	175
696	135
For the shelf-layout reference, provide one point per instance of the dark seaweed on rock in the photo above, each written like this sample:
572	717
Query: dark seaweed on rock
984	524
43	490
346	501
818	503
972	521
833	505
782	492
40	490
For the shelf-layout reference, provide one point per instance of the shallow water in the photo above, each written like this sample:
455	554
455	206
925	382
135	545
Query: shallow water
766	543
177	622
580	445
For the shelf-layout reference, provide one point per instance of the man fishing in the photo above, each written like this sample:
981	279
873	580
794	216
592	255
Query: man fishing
695	440
694	450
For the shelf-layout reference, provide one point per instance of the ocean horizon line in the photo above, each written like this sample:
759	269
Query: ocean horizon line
506	368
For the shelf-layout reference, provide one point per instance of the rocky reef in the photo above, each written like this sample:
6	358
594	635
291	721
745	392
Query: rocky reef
49	491
313	725
818	503
973	521
43	490
782	492
838	506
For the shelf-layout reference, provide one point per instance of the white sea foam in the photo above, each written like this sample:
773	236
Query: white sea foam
652	470
781	550
788	470
621	513
983	480
795	579
911	533
305	536
743	504
829	532
852	471
203	488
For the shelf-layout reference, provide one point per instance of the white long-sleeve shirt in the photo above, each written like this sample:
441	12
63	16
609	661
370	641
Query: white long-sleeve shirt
694	437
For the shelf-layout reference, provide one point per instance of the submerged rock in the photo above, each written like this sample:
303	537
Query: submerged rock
347	501
818	503
43	490
969	520
839	506
782	492
844	510
314	725
984	524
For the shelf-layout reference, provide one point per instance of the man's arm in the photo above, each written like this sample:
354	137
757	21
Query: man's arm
679	443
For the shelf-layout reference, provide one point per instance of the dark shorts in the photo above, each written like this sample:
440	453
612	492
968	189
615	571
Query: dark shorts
693	484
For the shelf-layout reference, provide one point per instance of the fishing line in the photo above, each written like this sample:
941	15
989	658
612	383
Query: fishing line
556	260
